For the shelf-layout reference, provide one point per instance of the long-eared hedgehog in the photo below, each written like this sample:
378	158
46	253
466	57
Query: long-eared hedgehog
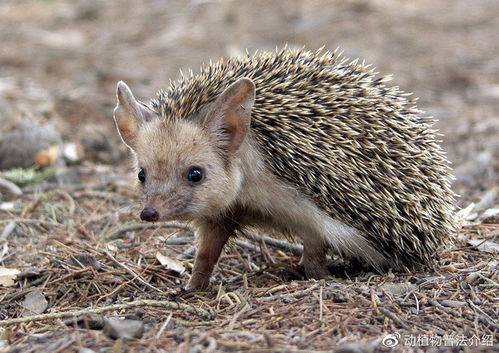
306	144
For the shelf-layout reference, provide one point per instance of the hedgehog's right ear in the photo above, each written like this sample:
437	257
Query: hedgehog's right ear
129	115
230	115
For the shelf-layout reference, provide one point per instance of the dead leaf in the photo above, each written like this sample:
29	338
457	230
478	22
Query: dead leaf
170	263
34	303
449	268
47	156
8	276
465	214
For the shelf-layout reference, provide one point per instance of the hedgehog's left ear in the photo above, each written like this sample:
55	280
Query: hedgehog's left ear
129	115
230	115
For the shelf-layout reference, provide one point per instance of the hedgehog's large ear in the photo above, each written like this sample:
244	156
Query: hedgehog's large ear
230	115
129	115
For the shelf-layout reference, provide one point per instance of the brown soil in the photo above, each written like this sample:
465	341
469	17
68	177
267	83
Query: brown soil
59	63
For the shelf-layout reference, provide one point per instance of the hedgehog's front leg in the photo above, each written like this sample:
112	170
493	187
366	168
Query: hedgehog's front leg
211	237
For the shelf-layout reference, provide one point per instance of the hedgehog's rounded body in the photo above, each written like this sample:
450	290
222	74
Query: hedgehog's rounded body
360	151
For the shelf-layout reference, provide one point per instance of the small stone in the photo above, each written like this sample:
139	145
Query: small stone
34	303
22	145
117	328
472	277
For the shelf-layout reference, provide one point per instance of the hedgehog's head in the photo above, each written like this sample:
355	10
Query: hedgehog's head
187	168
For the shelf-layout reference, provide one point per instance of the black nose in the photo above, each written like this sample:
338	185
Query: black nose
149	214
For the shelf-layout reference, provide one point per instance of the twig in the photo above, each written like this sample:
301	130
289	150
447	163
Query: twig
138	303
492	282
440	306
236	316
486	201
188	253
28	221
245	245
179	241
393	317
294	295
72	205
485	317
295	249
130	271
321	303
140	226
162	328
13	188
9	228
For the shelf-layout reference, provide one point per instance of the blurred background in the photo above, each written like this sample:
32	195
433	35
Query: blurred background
60	61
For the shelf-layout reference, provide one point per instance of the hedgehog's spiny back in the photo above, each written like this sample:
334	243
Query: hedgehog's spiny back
332	129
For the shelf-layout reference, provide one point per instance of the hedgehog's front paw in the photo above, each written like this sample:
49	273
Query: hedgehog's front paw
198	282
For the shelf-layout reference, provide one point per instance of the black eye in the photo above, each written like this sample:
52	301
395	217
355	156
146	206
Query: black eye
142	176
195	174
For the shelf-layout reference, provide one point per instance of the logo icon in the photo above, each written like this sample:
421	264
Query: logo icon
391	340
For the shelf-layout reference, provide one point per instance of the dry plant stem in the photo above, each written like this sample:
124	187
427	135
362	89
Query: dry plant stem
295	249
28	221
484	316
13	188
140	226
167	321
294	295
71	201
9	228
492	282
234	318
138	303
129	270
394	318
246	245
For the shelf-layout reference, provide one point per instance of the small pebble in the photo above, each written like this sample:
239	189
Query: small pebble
116	328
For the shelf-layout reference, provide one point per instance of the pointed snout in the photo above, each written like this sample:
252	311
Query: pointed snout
149	214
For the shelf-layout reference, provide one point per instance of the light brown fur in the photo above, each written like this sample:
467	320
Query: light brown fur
238	189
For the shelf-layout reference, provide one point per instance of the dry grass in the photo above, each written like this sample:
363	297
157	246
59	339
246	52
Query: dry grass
259	302
60	61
